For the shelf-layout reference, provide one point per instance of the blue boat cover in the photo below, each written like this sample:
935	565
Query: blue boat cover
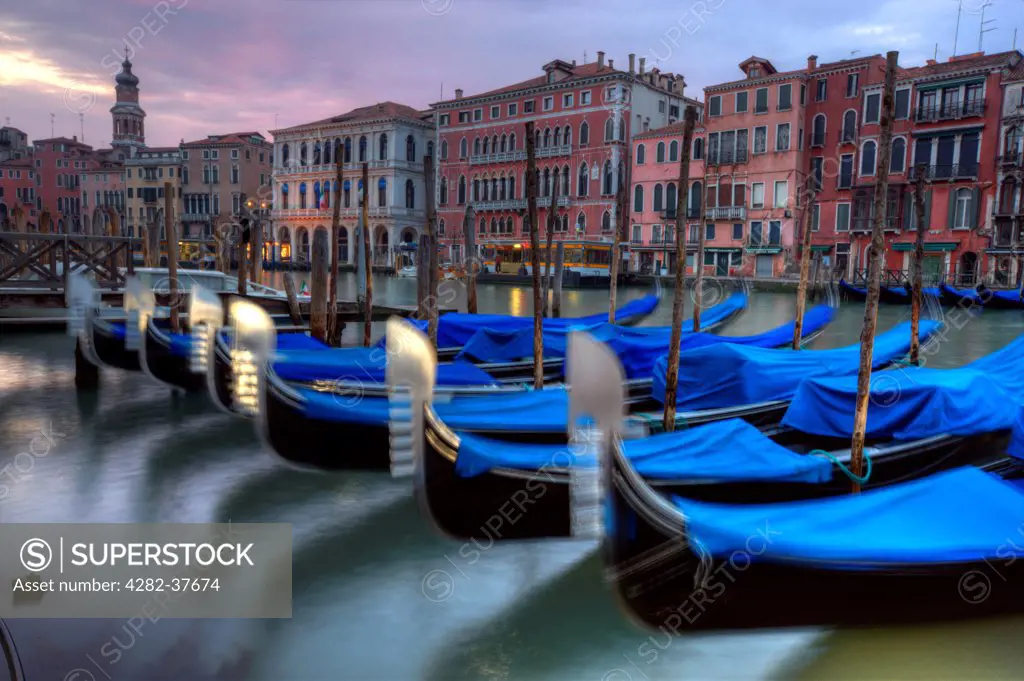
1016	448
637	347
729	375
962	515
903	291
853	289
1008	296
917	402
730	450
968	293
456	328
545	410
296	340
363	364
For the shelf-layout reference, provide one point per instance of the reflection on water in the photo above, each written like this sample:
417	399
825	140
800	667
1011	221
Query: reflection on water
378	594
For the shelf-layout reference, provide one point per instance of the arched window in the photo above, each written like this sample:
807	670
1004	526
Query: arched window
440	227
536	141
487	146
698	149
640	153
670	197
316	194
512	142
606	187
483	225
694	203
348	150
558	136
476	189
867	158
327	152
303	154
316	154
659	156
963	217
462	190
581	222
410	194
362	149
504	188
584	134
583	183
410	149
494	225
302	195
1006	196
609	130
504	143
673	151
546	184
547	137
1012	142
463	148
494	144
818	130
443	198
565	181
512	186
476	146
382	153
430	150
850	126
899	155
606	222
494	189
638	199
501	226
284	155
444	149
284	196
382	191
658	197
338	150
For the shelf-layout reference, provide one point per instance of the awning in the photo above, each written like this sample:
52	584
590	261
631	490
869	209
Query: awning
930	247
765	249
821	248
951	130
718	249
971	80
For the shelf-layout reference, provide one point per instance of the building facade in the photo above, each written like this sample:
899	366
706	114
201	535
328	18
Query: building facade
218	174
145	174
585	117
1008	220
103	186
18	188
392	139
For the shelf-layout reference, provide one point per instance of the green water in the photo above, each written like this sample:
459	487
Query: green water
377	593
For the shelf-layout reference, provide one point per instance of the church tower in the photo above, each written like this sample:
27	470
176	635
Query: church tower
129	125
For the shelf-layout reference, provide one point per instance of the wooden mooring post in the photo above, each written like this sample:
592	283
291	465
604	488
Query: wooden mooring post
556	296
333	327
293	300
531	215
876	262
805	268
243	257
171	228
472	258
318	287
672	373
368	253
434	273
621	216
917	291
548	264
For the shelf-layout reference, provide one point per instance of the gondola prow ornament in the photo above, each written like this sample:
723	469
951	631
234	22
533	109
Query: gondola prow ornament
205	317
411	370
253	344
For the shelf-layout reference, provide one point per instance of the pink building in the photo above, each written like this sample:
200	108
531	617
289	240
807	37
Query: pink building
585	117
58	164
18	187
103	188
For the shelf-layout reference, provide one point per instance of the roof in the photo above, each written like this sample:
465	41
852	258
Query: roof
965	62
668	131
580	72
17	163
227	138
363	113
61	140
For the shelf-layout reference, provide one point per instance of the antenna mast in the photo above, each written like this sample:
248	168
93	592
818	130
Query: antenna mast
81	124
981	27
956	35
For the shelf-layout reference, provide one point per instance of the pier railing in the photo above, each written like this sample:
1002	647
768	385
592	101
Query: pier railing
43	260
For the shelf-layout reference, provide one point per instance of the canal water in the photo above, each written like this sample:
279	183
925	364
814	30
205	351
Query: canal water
378	594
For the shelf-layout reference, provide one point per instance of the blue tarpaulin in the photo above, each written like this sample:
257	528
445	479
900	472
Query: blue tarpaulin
730	450
728	375
456	328
903	291
916	402
181	343
968	293
362	364
955	516
1016	448
1008	296
636	347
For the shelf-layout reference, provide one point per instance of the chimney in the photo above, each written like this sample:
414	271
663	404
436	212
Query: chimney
930	62
632	64
458	93
574	63
600	60
643	65
611	63
812	62
74	138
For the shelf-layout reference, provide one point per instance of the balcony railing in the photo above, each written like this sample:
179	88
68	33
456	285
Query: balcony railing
351	166
950	112
848	136
952	171
727	213
1012	158
500	157
727	157
866	224
195	217
352	211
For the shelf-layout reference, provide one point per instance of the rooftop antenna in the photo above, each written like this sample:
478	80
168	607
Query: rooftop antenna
81	124
584	56
981	27
1014	39
956	35
935	57
52	117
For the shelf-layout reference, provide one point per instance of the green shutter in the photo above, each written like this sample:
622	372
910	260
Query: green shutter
951	208
908	210
975	207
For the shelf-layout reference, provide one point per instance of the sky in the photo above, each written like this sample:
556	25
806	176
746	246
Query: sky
217	66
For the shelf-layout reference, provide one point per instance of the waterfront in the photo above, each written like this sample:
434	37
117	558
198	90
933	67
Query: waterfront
377	593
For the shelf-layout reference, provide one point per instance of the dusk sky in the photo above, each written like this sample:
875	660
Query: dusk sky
215	66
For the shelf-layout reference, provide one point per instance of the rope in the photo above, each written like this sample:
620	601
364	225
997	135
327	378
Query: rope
901	363
860	480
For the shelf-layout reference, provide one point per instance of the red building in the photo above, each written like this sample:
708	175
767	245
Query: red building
585	116
18	187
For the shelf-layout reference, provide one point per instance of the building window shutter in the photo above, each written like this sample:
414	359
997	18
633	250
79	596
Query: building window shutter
951	209
975	207
908	210
927	209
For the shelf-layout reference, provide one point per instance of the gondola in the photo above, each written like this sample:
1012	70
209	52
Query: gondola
965	298
994	299
852	292
328	412
901	295
913	552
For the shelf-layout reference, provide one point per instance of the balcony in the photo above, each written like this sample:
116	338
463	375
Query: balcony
351	212
727	157
867	224
727	213
848	136
352	167
195	217
1011	159
950	112
955	171
500	157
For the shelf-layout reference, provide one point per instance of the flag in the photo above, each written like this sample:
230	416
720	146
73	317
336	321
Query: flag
323	201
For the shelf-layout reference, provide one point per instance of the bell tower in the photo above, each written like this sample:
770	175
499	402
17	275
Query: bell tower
129	134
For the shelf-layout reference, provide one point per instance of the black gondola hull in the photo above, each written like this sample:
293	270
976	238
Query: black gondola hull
168	367
109	348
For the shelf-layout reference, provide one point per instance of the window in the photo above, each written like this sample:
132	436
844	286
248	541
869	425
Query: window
513	109
737	231
973	99
215	154
583	181
963	217
755	233
445	119
782	137
567	100
715	106
775	232
585	98
781	193
867	158
463	148
741	102
548	103
410	148
817	171
660	155
528	106
657	205
234	154
638	199
785	97
496	111
607	186
478	115
640	154
845	171
815	217
872	107
758	195
584	134
709	231
761	100
698	149
606	222
821	94
902	110
761	139
462	190
382	191
969	154
673	151
849	126
852	84
661	106
899	155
